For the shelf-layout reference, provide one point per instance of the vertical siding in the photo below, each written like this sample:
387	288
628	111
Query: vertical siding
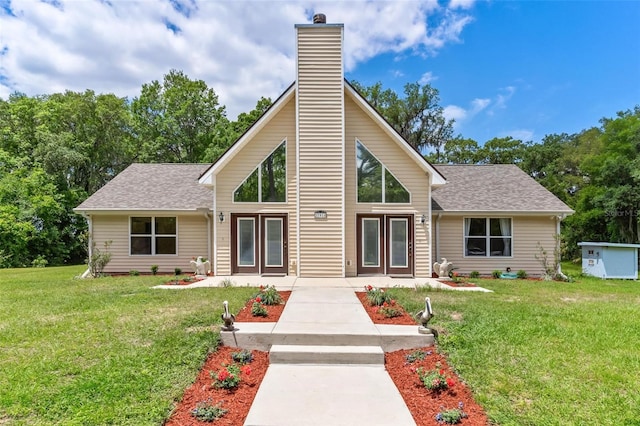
527	232
360	126
192	242
321	145
281	127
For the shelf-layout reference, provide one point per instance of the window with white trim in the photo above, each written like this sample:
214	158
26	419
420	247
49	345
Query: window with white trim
153	235
375	182
488	237
267	183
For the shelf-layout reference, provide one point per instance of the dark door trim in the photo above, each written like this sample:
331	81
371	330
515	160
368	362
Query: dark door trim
363	269
408	269
236	268
282	269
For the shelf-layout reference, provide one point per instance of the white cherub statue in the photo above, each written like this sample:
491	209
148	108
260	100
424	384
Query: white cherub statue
200	267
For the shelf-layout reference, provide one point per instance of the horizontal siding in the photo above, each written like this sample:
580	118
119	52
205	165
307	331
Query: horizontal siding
320	121
279	128
360	126
192	242
527	232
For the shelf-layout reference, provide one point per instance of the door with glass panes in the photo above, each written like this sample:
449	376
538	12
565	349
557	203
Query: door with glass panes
259	244
384	244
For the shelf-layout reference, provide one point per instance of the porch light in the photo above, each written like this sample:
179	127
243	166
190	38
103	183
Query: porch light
423	219
221	217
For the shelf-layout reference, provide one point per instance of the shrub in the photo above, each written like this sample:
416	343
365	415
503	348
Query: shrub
99	259
229	376
496	274
377	296
134	273
474	274
154	269
227	282
435	380
389	309
177	271
269	295
522	274
205	411
417	355
39	262
258	309
243	357
451	416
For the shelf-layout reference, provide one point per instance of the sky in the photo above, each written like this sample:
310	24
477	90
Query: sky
523	69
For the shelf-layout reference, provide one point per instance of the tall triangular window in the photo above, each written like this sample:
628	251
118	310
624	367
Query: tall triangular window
376	184
267	183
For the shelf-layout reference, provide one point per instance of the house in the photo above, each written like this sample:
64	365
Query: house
322	186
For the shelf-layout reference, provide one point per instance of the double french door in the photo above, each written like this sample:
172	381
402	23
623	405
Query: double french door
385	244
259	244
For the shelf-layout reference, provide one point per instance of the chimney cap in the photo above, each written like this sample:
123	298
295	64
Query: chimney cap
319	18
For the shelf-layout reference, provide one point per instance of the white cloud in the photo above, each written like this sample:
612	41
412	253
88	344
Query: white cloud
242	49
453	112
524	135
461	4
427	78
459	114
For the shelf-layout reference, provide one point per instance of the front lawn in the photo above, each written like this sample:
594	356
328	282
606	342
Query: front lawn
104	351
544	353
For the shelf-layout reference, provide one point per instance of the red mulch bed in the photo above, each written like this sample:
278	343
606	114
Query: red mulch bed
424	404
378	318
237	401
273	311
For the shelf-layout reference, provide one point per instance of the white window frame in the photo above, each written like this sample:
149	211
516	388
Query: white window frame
487	237
259	168
153	236
385	170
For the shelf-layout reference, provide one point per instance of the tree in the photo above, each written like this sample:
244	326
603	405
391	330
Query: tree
505	150
177	120
457	151
417	117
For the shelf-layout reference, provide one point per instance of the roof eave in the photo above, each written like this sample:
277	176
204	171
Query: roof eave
554	213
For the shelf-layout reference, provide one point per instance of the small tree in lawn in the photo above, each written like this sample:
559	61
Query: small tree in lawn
99	259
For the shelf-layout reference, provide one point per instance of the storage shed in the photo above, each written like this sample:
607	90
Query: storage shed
610	260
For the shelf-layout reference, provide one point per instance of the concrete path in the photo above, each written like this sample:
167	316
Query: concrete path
316	385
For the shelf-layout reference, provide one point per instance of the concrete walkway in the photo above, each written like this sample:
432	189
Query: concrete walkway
327	367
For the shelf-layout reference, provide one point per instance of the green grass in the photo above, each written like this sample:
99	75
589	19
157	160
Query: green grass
544	353
104	351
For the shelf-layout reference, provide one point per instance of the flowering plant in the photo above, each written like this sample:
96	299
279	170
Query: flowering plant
389	309
376	296
451	416
257	308
269	295
229	376
435	380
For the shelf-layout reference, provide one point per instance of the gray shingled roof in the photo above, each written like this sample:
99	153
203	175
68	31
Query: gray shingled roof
153	187
488	188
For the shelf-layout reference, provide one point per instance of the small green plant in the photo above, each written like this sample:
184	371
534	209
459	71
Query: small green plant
522	274
229	376
39	262
243	357
496	273
474	274
177	271
451	416
417	355
99	259
227	282
134	273
154	269
435	380
258	309
269	295
455	277
389	309
205	411
377	296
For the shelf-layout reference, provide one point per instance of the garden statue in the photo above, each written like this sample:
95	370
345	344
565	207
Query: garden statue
228	318
424	317
443	269
200	267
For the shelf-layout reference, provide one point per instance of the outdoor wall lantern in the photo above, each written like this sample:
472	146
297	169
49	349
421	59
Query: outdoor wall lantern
221	217
423	219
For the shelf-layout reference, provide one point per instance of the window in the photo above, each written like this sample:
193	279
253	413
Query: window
489	237
376	184
268	182
153	235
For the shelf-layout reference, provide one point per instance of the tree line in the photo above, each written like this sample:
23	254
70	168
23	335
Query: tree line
58	149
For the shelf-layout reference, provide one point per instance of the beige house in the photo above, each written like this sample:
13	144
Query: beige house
322	186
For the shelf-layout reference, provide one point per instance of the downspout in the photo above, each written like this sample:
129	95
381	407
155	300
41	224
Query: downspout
559	272
86	273
215	235
438	236
206	214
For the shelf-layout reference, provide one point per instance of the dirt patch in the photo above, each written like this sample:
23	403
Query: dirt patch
378	318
